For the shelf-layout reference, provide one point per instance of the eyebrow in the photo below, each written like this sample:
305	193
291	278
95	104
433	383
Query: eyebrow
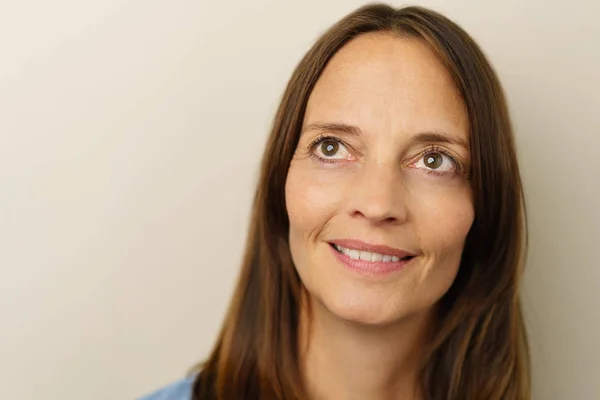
441	137
423	137
334	127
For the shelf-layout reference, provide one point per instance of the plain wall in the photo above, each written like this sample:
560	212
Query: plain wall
130	137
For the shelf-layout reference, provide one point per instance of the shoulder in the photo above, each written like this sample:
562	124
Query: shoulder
181	390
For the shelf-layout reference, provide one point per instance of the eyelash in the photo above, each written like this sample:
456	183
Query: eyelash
317	141
430	149
436	149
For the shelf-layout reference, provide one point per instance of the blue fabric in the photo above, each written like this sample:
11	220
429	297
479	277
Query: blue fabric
181	390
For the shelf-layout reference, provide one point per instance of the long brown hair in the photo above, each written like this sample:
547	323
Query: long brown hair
479	350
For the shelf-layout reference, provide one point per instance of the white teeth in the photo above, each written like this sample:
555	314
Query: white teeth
366	255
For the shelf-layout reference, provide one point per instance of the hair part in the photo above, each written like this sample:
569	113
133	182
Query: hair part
479	350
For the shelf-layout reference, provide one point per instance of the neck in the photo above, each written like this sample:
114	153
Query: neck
344	360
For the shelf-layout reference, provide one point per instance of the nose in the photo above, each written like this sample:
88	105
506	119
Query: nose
379	195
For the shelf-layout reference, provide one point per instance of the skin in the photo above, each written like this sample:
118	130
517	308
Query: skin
377	185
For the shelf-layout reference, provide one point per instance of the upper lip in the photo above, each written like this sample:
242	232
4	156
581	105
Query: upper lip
373	248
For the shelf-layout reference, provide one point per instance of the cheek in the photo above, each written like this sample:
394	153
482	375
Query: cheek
312	197
443	216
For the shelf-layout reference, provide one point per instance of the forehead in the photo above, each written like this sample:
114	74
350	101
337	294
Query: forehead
382	81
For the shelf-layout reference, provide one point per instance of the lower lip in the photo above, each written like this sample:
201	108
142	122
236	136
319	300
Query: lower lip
370	267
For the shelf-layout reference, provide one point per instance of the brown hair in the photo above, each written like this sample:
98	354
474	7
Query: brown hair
479	350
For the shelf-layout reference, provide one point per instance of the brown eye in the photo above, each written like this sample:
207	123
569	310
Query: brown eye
433	160
438	162
329	148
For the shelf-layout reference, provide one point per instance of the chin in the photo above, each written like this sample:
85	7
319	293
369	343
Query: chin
363	311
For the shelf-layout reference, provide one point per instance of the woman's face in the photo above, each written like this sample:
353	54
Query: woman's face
377	193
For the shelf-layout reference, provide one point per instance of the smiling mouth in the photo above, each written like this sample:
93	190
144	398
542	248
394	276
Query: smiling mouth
356	254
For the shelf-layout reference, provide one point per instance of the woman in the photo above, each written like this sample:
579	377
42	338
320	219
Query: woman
385	251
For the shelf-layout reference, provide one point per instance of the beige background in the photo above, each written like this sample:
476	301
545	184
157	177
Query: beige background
130	135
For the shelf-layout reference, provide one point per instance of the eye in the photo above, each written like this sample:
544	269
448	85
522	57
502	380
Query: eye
329	148
437	161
